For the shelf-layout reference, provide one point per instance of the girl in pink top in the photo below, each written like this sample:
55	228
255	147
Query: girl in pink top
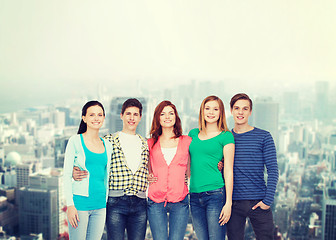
169	155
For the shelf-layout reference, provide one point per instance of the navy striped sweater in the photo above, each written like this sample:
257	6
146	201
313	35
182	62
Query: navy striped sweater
253	151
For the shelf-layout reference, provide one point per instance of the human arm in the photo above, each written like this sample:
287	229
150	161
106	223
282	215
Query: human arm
270	160
187	173
72	215
220	165
188	168
78	174
151	178
69	159
228	152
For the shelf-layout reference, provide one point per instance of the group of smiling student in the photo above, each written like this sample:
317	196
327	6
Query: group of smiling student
106	179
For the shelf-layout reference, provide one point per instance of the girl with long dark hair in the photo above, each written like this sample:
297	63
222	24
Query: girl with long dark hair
86	199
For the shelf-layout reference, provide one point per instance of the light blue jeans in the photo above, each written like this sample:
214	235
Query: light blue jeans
90	226
177	221
205	210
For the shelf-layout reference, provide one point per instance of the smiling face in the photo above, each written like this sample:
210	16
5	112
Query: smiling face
167	117
241	111
94	117
131	118
211	111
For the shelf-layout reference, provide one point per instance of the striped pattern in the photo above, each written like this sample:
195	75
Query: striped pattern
121	177
253	151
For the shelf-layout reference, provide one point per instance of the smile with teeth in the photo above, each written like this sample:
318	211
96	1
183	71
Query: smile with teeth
240	117
131	123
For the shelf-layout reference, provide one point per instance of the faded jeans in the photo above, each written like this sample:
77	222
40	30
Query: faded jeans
205	210
177	221
90	226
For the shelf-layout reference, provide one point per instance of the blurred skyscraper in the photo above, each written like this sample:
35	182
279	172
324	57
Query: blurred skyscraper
8	213
42	205
265	115
329	214
22	174
115	123
321	106
38	212
49	179
291	105
60	145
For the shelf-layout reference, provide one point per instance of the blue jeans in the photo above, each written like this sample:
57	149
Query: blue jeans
90	226
126	212
205	210
261	220
178	219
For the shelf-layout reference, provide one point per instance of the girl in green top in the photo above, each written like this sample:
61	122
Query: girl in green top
210	202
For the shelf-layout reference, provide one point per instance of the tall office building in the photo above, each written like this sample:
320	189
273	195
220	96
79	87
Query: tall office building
50	179
59	119
38	212
2	157
291	107
60	145
321	105
329	214
22	174
8	215
67	111
265	115
115	124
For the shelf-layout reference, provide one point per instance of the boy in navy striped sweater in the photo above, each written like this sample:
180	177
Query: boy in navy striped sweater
252	198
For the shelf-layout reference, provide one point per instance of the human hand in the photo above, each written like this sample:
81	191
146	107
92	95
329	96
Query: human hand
73	216
152	178
78	174
225	214
262	205
220	166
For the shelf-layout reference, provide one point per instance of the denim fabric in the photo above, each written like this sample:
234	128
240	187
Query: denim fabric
205	210
177	221
261	220
126	212
90	226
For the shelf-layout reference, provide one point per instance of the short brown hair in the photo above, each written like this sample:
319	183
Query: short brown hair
240	96
131	102
222	119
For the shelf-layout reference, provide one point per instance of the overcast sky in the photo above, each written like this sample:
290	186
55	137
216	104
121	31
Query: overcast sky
52	49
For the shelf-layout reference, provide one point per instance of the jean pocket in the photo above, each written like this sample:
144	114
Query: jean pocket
150	202
142	202
264	210
185	201
112	201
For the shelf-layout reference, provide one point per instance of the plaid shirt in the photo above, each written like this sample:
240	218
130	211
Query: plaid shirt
121	177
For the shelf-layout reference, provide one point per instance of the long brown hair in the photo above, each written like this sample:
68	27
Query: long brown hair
221	123
156	128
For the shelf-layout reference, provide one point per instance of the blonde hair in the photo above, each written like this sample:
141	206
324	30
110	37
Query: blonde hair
221	123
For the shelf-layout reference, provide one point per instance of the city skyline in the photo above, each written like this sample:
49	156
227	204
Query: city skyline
306	153
54	51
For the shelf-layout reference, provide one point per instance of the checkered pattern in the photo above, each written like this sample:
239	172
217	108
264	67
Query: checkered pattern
121	177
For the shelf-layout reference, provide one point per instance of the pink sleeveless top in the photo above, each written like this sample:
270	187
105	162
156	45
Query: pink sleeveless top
170	185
